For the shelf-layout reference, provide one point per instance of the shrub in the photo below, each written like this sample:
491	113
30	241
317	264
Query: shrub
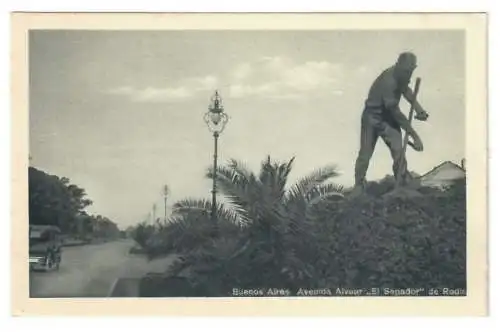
142	233
189	228
366	242
297	241
400	242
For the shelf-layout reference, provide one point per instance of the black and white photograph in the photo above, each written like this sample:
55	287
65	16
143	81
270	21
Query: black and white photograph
257	163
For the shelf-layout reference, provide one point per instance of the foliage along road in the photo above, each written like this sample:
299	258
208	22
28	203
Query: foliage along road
90	271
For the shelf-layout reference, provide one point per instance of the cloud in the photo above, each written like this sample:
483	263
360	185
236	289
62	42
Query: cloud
152	94
280	77
165	94
187	89
204	83
269	77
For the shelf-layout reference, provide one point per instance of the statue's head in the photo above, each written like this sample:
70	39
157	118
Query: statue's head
405	65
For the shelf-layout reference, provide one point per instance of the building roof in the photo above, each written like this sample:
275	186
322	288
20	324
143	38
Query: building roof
441	166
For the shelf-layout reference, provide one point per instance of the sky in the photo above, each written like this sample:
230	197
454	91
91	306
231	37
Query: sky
120	113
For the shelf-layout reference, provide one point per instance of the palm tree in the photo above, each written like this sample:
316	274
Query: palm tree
189	227
267	228
252	196
260	201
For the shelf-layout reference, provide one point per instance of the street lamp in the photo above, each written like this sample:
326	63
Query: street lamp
165	194
154	213
216	121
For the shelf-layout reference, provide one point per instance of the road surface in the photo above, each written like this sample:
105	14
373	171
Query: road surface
90	270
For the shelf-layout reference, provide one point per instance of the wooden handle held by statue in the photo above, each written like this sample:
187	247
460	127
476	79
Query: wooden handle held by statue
406	137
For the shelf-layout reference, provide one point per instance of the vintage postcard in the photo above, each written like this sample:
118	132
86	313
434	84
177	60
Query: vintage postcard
316	164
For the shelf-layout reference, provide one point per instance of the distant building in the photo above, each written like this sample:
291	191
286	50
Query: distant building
443	174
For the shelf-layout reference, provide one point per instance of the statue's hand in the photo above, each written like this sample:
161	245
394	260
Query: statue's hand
417	144
422	116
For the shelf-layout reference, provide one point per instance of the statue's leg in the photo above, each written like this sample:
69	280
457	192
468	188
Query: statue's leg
369	137
391	135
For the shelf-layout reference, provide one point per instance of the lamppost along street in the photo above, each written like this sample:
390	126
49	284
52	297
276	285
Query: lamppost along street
216	121
165	194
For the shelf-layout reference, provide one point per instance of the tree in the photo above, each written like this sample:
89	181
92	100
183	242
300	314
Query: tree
56	201
103	227
265	228
142	233
251	196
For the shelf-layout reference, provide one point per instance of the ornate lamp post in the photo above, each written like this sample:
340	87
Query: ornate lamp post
216	121
165	194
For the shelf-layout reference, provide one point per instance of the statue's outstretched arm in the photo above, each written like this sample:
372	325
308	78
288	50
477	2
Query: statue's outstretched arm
392	105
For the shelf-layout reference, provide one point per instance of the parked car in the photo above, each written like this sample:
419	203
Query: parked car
45	244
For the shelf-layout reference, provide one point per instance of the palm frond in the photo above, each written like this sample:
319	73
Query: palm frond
273	177
241	191
190	205
325	192
265	169
308	183
240	168
186	208
232	184
227	174
318	176
231	216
